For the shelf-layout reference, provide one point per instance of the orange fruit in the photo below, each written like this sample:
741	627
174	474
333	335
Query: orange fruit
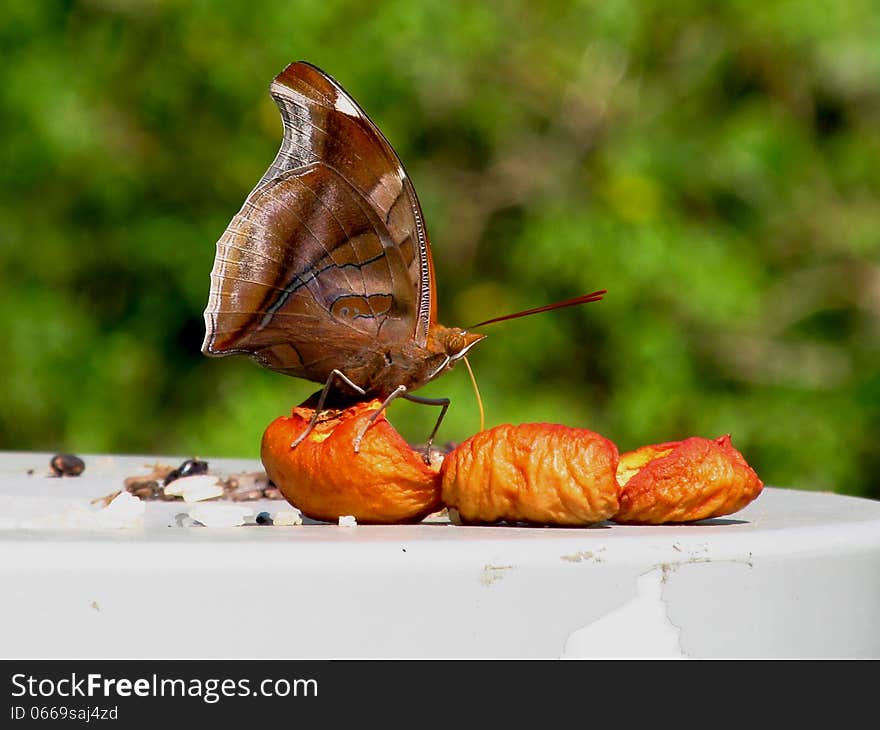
684	481
538	473
387	481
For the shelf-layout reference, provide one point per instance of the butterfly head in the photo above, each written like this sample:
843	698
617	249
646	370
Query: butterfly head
458	342
448	345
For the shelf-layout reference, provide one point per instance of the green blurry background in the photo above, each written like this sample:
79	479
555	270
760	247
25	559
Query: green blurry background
713	165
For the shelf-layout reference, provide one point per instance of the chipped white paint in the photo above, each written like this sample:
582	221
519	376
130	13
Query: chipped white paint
639	629
582	555
492	573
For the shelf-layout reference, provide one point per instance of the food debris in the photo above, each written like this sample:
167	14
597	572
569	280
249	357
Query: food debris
124	510
148	490
106	499
440	516
220	515
347	521
238	487
248	495
149	486
195	489
246	486
67	465
264	518
182	519
288	518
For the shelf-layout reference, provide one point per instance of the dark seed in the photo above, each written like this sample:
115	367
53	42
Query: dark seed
67	465
189	468
264	518
172	475
192	467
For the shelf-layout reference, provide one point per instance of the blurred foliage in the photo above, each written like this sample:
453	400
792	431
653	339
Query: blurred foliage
714	165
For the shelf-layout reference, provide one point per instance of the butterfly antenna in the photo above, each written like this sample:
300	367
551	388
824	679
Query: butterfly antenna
583	299
477	392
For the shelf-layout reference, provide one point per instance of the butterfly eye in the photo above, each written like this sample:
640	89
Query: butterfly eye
459	342
454	344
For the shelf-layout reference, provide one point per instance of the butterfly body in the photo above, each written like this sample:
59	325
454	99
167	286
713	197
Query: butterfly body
379	372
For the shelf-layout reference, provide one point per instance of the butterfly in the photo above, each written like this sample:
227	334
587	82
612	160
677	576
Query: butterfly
326	271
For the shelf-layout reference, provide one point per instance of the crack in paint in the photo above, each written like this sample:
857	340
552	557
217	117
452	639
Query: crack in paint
667	569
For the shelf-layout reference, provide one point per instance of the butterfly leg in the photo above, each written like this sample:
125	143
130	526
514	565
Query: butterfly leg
401	392
396	393
444	406
322	398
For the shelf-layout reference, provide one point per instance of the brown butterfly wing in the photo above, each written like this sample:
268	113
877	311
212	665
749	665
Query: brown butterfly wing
307	278
328	258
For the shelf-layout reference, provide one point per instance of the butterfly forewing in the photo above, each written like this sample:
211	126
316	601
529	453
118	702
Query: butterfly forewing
328	256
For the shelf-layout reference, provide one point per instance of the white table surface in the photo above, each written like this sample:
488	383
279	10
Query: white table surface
795	574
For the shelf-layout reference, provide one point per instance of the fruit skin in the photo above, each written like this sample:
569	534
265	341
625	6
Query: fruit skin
385	482
685	481
538	473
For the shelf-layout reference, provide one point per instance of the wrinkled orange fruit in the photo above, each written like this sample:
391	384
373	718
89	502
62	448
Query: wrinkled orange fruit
538	473
684	481
387	481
